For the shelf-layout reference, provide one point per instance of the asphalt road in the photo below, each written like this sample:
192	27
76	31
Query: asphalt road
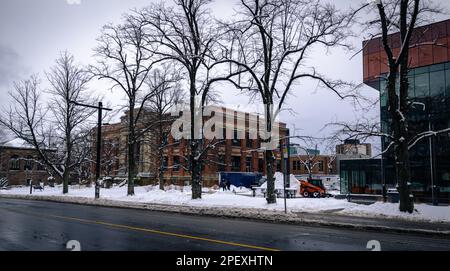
46	226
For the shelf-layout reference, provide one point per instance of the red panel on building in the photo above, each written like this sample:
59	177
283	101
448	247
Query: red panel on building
414	57
366	65
384	62
440	30
425	55
430	45
440	51
448	47
374	64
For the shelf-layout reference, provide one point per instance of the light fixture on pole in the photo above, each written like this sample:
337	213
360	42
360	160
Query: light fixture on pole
100	109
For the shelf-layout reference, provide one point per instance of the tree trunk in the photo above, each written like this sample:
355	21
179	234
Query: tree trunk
406	201
161	177
196	170
131	152
67	161
269	155
406	198
270	161
161	154
399	128
310	169
66	181
196	163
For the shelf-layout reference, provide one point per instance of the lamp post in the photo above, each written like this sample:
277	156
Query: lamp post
284	148
27	174
430	143
100	109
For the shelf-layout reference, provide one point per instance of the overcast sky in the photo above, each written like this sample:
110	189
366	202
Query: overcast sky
34	32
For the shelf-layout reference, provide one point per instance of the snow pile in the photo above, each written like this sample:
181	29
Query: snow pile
18	143
279	181
422	211
241	198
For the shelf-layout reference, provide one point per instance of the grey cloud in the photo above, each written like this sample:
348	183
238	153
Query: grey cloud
9	65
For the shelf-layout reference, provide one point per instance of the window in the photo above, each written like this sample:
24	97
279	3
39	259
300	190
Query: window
221	163
249	143
411	93
297	165
320	166
249	164
176	163
236	163
437	83
28	165
447	81
165	164
14	163
383	93
236	142
40	166
421	85
438	67
260	165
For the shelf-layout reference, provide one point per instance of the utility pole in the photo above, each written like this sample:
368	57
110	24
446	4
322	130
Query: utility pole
284	149
430	142
100	109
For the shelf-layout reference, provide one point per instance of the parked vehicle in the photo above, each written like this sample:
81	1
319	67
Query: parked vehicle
312	188
241	179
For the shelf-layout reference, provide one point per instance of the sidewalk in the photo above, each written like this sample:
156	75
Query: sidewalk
274	216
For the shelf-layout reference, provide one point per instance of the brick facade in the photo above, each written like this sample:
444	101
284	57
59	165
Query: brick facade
323	165
20	164
228	155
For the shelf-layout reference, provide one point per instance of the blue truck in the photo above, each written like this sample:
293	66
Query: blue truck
241	179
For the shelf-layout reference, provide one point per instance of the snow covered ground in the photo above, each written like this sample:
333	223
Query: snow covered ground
241	198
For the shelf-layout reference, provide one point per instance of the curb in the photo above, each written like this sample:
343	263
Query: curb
247	213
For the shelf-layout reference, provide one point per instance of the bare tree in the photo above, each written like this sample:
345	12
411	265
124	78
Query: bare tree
185	34
124	60
165	84
390	16
3	136
68	84
268	42
60	124
308	158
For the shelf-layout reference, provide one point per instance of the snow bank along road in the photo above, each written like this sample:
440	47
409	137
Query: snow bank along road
227	200
39	225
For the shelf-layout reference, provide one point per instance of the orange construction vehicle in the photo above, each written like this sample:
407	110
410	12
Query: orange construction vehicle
312	188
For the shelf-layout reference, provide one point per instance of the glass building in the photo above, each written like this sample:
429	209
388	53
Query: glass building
429	95
361	176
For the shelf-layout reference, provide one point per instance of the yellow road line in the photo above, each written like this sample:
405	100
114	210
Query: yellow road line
165	233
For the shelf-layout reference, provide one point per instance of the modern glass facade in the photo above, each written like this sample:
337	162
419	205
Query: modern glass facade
429	93
361	176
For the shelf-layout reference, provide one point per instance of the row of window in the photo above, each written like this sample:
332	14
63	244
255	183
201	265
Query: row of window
429	81
299	166
221	165
28	163
234	142
236	164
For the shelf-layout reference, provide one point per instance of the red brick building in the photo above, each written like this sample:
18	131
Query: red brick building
228	155
19	162
320	165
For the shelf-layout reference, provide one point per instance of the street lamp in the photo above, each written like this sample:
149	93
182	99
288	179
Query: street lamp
430	143
100	109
